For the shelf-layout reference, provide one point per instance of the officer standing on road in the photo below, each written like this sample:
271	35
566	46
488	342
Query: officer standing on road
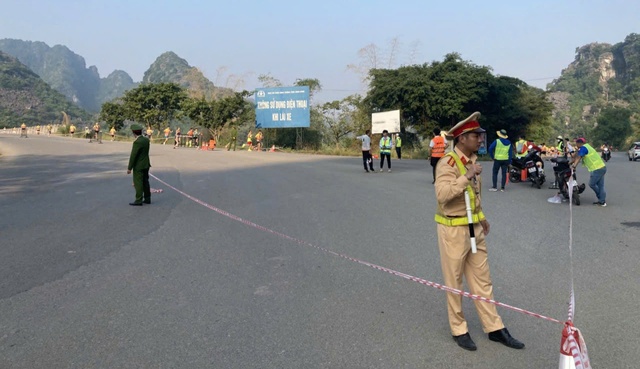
139	164
234	139
458	172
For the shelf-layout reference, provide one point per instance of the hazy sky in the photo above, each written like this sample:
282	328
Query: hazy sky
530	40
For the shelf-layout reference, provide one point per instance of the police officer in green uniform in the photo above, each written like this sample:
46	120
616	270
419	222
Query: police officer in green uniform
234	139
139	164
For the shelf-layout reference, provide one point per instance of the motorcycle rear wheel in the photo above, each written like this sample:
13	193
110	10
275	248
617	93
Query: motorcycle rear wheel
514	177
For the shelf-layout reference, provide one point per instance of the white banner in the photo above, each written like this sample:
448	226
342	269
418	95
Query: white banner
389	120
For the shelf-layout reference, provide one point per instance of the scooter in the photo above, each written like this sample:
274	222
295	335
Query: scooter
567	182
533	164
606	154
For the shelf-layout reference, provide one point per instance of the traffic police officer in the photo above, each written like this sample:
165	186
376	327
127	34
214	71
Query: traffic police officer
456	173
139	163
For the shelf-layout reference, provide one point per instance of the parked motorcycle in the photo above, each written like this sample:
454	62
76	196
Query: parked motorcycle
567	182
533	164
606	154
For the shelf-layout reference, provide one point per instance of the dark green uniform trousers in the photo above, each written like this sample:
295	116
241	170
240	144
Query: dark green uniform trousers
141	184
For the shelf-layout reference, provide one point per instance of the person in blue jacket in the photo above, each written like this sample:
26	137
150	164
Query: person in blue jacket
501	153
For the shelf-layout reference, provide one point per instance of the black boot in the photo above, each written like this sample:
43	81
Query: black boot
503	336
465	341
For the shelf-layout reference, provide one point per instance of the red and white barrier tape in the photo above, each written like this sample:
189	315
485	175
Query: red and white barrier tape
366	263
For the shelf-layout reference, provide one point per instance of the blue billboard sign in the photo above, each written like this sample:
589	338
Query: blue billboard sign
282	107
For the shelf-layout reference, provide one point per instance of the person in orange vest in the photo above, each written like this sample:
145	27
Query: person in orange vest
436	148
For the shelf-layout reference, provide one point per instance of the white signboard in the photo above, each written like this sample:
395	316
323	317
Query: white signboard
389	120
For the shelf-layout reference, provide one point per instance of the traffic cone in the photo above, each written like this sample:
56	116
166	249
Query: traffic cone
273	148
567	361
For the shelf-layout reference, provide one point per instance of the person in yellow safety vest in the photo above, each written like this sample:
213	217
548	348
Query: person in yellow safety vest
385	150
399	146
501	153
437	147
560	145
458	172
594	163
521	147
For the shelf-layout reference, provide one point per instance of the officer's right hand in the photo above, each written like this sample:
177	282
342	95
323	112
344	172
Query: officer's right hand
473	170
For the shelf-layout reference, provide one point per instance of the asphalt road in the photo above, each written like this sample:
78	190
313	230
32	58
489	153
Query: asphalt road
87	281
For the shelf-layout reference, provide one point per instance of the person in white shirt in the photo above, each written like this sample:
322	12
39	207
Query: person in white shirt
366	151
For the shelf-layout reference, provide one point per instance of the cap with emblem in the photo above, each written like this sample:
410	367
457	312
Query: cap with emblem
468	125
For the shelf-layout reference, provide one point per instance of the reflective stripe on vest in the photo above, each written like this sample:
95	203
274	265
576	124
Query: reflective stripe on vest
438	147
592	160
460	221
385	145
502	151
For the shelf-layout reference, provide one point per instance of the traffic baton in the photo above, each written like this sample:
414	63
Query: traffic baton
472	233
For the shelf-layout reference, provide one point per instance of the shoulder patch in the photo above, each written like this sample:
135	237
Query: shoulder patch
464	160
451	162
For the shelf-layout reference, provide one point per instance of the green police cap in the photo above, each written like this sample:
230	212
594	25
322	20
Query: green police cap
136	127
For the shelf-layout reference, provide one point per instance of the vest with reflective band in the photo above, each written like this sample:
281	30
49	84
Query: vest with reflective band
502	151
521	148
592	160
560	146
398	142
438	147
385	145
460	221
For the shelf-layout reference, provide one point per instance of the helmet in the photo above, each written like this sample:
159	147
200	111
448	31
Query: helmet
559	137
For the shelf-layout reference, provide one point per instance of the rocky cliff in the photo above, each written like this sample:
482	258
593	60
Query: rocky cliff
169	67
25	97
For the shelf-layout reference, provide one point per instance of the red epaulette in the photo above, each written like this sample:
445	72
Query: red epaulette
463	160
451	162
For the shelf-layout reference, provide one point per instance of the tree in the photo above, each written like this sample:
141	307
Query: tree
313	84
154	104
113	114
441	93
268	80
200	111
614	125
336	115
